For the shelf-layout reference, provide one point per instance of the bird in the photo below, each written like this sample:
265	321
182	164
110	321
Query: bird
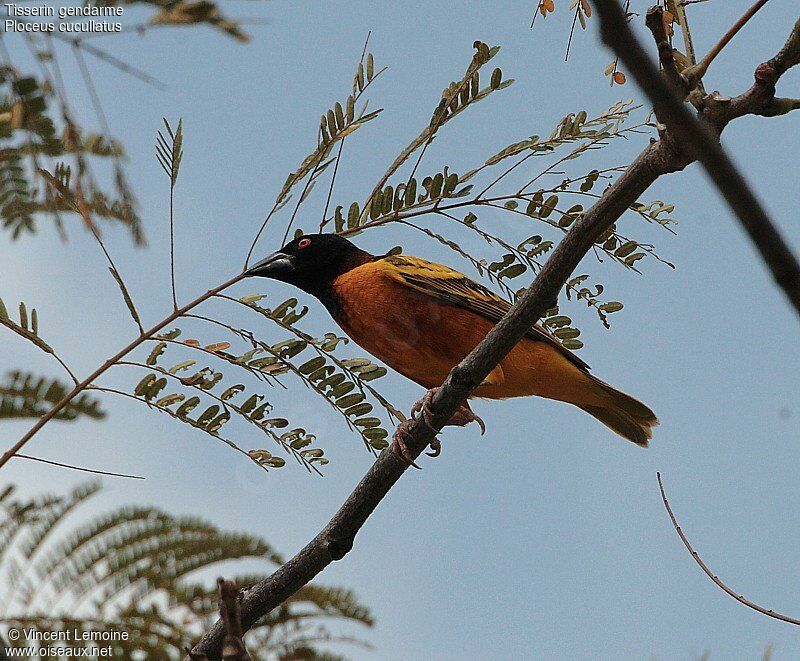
422	318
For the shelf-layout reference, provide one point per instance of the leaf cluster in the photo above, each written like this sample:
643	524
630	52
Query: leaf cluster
27	326
138	569
169	150
180	387
27	395
226	377
28	140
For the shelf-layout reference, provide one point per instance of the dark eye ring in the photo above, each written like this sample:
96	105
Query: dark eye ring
304	243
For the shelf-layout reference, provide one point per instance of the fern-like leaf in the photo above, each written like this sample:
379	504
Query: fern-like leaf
27	395
139	570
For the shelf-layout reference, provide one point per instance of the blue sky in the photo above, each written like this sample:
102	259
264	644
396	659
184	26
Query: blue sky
547	537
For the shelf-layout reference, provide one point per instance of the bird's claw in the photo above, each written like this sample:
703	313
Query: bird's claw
466	415
462	418
399	446
423	406
436	446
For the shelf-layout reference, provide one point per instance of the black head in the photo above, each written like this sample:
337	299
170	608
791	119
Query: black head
311	261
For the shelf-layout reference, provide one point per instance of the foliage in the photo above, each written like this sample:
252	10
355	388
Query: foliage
674	17
170	152
202	396
28	135
449	195
37	127
26	395
207	384
27	327
47	170
141	570
344	383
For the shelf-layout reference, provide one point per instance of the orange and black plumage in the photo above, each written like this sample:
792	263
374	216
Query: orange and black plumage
422	318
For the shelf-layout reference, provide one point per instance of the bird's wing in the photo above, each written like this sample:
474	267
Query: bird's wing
450	287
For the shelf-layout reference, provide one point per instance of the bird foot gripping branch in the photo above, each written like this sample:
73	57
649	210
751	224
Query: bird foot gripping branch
421	410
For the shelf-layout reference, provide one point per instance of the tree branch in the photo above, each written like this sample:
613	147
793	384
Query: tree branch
695	73
87	382
337	537
77	468
233	648
696	557
700	140
666	56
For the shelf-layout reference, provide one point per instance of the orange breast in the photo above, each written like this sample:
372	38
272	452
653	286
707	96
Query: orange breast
424	339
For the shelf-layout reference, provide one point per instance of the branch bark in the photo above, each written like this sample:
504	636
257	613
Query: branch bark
699	138
669	154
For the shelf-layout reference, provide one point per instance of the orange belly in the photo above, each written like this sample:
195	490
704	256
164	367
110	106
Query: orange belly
424	339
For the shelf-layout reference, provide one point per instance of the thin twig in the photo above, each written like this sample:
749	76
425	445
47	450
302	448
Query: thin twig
96	104
281	201
82	207
114	62
425	138
341	145
683	21
233	648
301	198
106	57
225	405
66	367
48	194
172	246
61	93
536	11
696	72
696	557
85	383
571	30
666	56
333	183
77	468
172	414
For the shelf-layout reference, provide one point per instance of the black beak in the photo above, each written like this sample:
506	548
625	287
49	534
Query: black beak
275	266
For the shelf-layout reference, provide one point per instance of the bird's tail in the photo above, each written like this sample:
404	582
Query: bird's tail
623	414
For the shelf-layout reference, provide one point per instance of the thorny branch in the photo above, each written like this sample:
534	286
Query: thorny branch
696	557
683	141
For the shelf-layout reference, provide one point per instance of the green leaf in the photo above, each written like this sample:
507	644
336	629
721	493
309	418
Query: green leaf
632	259
512	271
126	296
158	349
312	365
626	249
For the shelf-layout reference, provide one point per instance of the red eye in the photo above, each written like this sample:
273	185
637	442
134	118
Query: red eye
304	243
